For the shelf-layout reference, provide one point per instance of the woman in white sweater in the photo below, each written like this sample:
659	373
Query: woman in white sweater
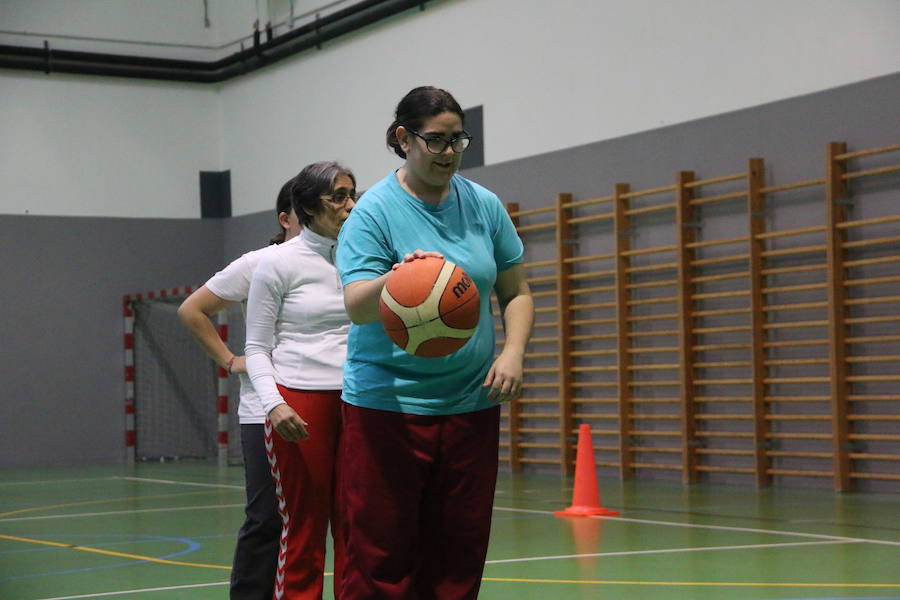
296	345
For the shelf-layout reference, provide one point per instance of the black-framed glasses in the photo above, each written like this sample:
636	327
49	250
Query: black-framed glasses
438	145
340	198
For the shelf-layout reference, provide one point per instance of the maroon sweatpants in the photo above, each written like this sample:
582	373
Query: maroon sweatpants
305	478
417	494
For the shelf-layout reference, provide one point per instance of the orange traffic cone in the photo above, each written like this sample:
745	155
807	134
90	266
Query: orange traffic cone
586	495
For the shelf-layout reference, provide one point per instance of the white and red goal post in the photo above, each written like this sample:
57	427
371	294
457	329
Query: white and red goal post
178	402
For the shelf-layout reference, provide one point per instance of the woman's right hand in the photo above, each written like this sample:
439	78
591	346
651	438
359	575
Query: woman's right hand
417	254
288	423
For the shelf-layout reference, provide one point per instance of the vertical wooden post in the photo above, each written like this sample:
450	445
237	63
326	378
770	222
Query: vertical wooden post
756	224
513	406
623	245
836	212
563	302
686	233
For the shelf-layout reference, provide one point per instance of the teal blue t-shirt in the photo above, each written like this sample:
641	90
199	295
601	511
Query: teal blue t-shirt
470	228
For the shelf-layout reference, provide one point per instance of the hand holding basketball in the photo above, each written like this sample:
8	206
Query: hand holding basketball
429	306
417	254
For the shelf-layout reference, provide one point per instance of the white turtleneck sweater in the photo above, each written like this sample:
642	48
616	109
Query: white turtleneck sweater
296	323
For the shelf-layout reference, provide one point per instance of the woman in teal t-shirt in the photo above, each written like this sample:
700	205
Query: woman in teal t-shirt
418	457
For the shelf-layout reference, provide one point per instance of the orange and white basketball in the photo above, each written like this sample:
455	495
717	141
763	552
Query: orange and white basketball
429	307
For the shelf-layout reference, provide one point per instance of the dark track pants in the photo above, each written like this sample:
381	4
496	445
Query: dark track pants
417	494
256	551
304	474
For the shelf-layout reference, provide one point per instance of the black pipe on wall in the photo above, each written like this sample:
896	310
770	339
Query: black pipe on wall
311	35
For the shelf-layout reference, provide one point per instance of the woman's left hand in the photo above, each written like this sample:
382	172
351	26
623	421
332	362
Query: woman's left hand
505	377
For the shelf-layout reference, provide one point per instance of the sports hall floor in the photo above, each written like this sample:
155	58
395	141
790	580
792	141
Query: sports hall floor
166	531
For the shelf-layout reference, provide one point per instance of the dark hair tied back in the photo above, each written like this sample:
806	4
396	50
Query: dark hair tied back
282	205
416	107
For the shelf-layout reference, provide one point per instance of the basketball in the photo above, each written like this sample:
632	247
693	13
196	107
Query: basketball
429	307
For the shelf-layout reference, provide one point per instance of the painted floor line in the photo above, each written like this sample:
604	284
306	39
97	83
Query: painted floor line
175	482
717	527
665	551
158	589
53	481
124	512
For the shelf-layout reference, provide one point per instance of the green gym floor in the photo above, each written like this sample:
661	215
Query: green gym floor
166	531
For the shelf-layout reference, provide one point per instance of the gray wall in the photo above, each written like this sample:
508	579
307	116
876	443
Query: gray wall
62	279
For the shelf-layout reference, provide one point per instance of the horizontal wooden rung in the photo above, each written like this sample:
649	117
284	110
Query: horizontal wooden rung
799	436
590	257
721	365
656	449
873	456
656	367
724	452
720	417
867	475
654	383
869	152
665	300
803	398
714	180
656	250
865	222
541	461
589	416
888	240
536	227
796	361
720	312
725	277
806	287
656	466
593	369
649	268
651	284
872	300
798	417
719	198
797	306
784	270
789	232
653	400
711	347
874	437
540	263
873	398
733	329
791	454
589	274
723	434
794	324
722	242
651	209
873	339
718	260
652	433
711	296
589	202
531	211
736	381
593	352
642	334
591	218
873	359
773	380
657	350
653	417
699	399
860	378
592	290
854	417
794	343
596	384
719	469
537	445
648	192
664	317
792	186
872	261
790	251
799	473
862	320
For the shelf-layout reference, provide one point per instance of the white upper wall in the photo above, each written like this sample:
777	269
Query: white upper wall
550	75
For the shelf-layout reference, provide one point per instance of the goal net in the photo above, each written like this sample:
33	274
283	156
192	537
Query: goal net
184	407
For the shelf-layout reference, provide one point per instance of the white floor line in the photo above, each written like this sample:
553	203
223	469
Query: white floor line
174	482
124	512
157	589
52	481
719	527
668	551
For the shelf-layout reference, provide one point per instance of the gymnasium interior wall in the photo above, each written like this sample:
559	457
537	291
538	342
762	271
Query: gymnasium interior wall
99	193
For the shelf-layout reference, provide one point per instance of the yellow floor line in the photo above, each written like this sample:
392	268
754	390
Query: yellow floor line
112	553
695	583
86	502
494	579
